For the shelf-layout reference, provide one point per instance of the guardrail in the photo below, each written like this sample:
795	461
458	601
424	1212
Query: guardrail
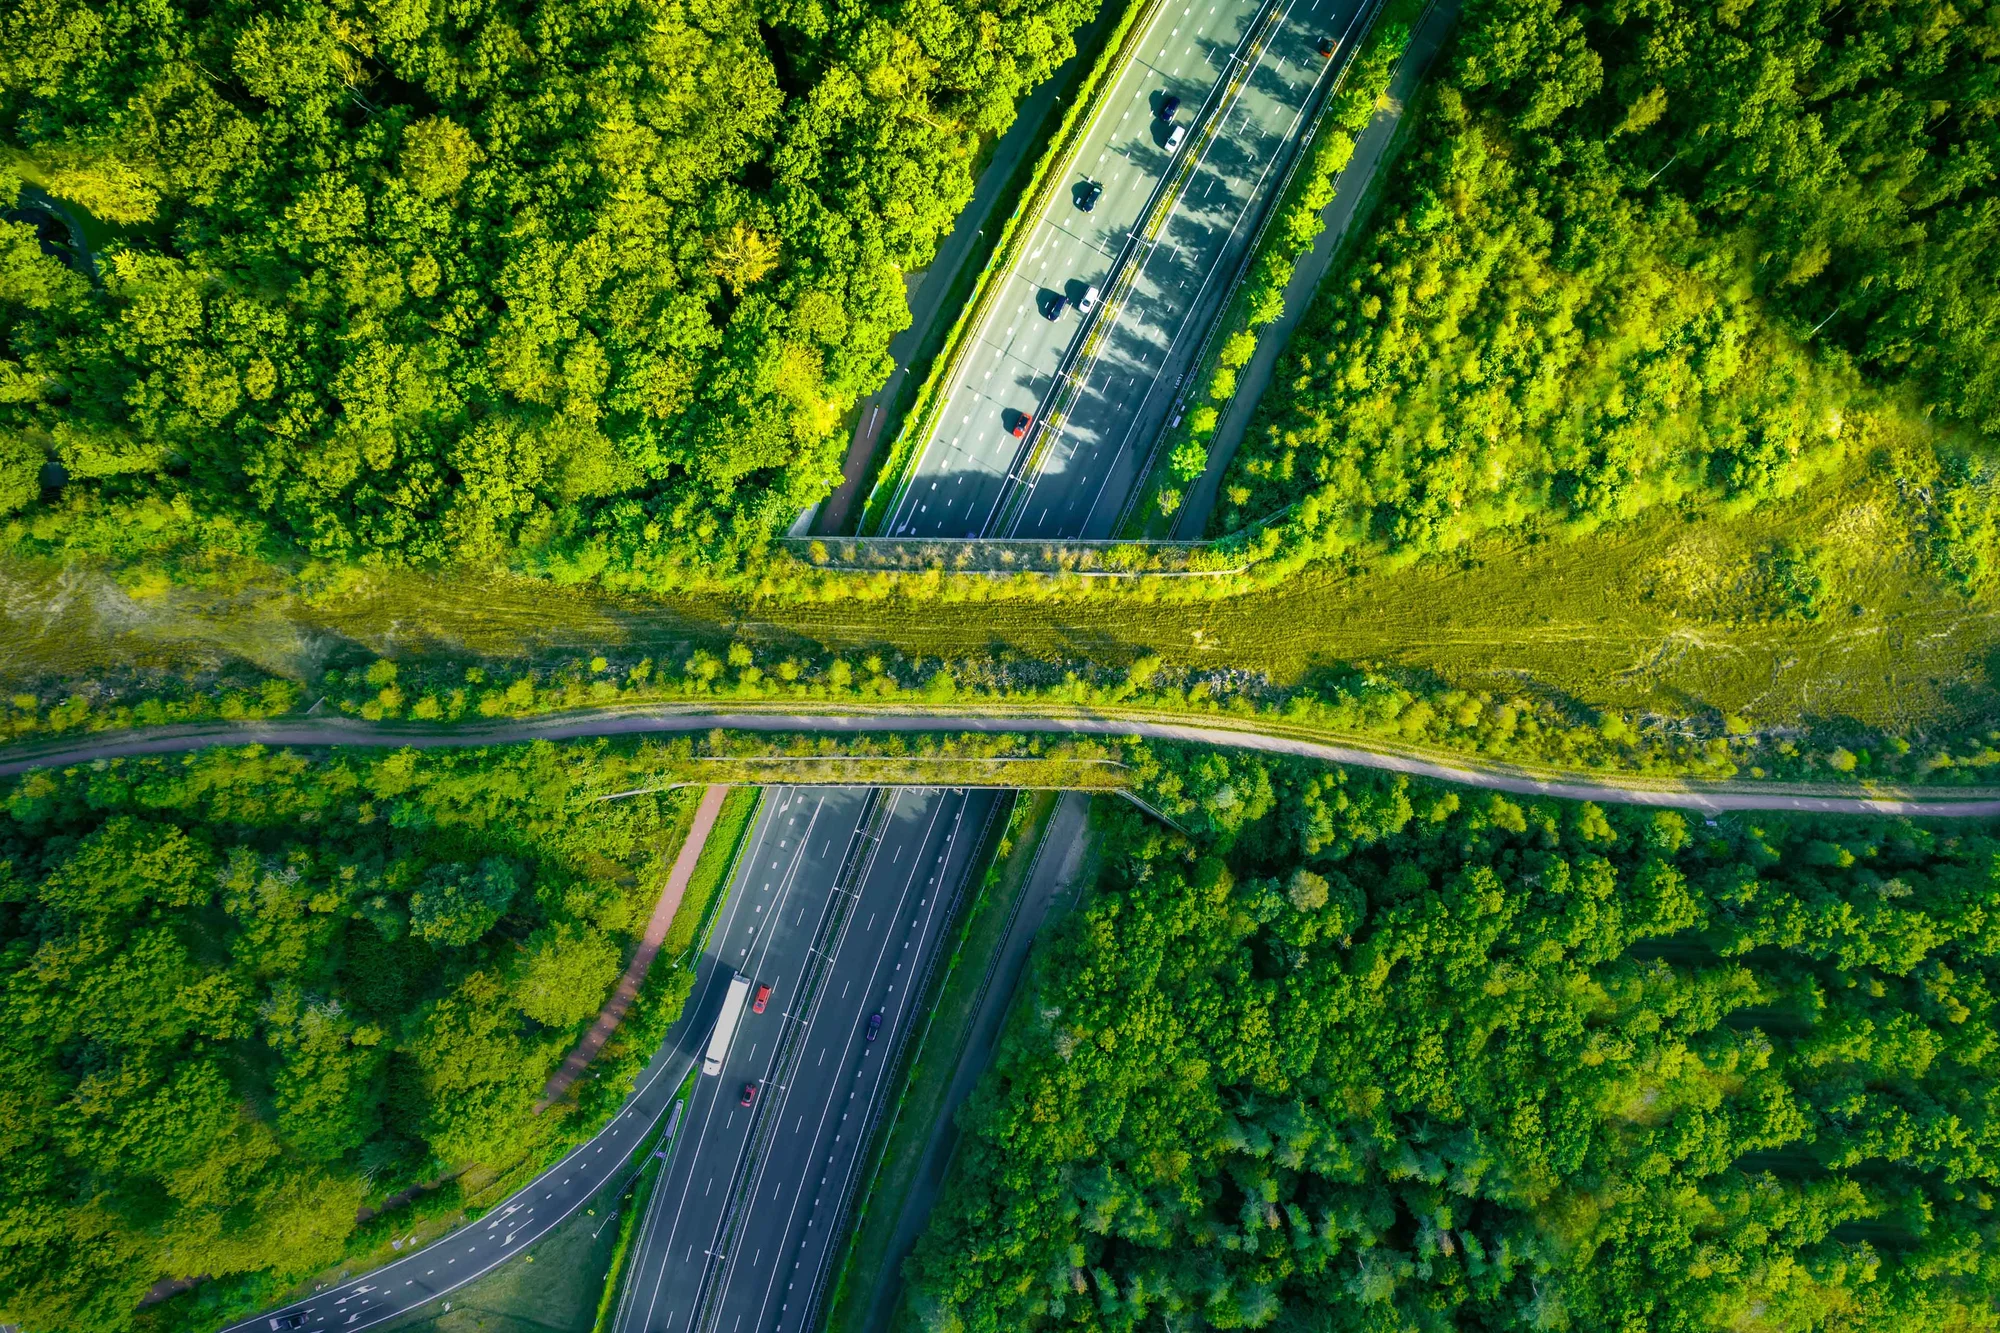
1075	367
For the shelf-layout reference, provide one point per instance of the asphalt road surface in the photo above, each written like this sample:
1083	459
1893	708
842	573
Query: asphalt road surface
959	479
744	1222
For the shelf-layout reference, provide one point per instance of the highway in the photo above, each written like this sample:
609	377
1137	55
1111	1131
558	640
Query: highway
849	896
959	480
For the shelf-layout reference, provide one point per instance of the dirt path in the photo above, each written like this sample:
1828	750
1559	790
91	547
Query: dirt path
613	1013
1244	733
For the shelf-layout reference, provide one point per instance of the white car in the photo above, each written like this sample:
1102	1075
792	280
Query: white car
1174	138
1089	301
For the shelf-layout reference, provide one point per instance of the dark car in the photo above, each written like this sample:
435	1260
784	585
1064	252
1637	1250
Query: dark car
1021	424
749	1093
1087	200
1054	309
289	1320
874	1025
763	998
1168	105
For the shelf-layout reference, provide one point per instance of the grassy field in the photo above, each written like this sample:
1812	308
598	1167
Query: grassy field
869	1262
1661	617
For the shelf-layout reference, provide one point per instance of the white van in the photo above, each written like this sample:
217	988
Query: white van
1174	137
1089	301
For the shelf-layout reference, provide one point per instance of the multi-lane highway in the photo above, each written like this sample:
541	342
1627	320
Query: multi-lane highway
840	911
960	485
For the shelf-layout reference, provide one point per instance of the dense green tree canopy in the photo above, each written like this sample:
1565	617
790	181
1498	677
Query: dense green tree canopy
1365	1054
1641	251
229	1014
597	279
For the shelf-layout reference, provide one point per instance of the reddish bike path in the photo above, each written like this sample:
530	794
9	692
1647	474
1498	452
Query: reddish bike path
621	999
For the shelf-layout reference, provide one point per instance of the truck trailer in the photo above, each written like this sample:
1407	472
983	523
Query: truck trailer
725	1024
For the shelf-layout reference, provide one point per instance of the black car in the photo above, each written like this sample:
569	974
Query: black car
1053	310
1168	105
1087	198
874	1025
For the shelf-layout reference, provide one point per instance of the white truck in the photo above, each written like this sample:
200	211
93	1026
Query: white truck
725	1024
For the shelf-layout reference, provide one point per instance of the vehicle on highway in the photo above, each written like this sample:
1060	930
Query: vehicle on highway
1174	138
289	1320
1055	307
1089	301
725	1024
763	998
874	1025
1021	424
1087	198
1327	46
749	1093
1168	105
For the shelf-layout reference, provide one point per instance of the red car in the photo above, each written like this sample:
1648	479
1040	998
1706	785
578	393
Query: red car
763	998
1327	46
1021	426
749	1093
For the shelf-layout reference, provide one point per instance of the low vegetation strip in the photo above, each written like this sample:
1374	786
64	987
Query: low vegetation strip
1244	734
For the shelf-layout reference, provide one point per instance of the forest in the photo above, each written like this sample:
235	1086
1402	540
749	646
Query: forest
559	283
1640	254
245	993
1355	1052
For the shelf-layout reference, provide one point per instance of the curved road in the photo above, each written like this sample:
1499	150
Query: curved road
1244	734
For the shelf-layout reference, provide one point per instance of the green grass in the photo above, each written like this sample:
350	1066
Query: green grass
711	873
899	1155
1652	618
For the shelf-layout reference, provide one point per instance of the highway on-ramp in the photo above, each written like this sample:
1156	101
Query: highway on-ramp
960	479
850	892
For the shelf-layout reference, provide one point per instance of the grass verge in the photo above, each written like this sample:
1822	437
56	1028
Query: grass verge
899	1151
719	854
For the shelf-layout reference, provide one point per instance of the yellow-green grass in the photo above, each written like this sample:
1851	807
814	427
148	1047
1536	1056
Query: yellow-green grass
899	1155
1652	617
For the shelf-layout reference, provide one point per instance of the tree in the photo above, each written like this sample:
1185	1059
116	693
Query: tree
456	903
567	971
